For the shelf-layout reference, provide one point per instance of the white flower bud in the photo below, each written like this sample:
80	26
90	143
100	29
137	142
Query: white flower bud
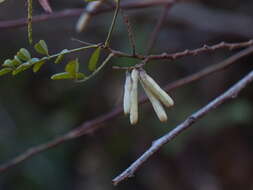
156	89
85	17
159	110
134	97
83	21
127	92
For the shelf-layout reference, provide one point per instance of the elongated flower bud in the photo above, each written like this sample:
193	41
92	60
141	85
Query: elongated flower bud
127	93
159	110
156	89
134	97
82	22
85	17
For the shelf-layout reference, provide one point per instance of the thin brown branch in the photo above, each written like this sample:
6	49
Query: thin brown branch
158	26
159	143
129	32
76	12
185	53
96	123
204	49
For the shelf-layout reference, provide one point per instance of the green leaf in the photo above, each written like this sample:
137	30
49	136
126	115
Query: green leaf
61	56
80	76
23	54
41	47
16	61
62	76
34	60
66	75
72	67
22	68
37	66
4	71
8	63
94	59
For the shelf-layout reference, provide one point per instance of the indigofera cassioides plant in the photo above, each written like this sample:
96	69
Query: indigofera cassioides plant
135	74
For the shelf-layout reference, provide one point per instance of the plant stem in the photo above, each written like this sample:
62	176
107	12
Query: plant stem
67	52
98	69
113	23
29	18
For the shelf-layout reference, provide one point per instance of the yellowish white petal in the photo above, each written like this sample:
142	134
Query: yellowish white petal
156	89
127	93
134	97
159	110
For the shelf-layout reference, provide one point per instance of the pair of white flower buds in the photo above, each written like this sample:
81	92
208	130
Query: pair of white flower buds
156	95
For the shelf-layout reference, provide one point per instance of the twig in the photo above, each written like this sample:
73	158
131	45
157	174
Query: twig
98	69
129	32
96	123
158	26
205	48
76	12
157	144
107	41
177	55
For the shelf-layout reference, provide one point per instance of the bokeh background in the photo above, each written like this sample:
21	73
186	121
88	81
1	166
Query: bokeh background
216	154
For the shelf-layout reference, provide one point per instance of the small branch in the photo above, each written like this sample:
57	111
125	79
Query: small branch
129	32
29	20
177	55
92	125
204	49
158	144
108	58
158	26
107	41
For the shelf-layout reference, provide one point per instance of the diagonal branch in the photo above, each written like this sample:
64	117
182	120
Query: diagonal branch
96	123
158	144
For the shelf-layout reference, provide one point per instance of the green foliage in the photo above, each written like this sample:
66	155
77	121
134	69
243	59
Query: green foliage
22	67
5	71
16	61
23	61
24	54
71	72
8	63
41	47
94	59
38	65
61	56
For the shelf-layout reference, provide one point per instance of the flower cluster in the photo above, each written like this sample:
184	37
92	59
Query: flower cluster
157	96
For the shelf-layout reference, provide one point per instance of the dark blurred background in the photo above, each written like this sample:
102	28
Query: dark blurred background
216	154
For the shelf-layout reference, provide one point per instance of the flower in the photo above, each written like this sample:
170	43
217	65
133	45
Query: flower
157	96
